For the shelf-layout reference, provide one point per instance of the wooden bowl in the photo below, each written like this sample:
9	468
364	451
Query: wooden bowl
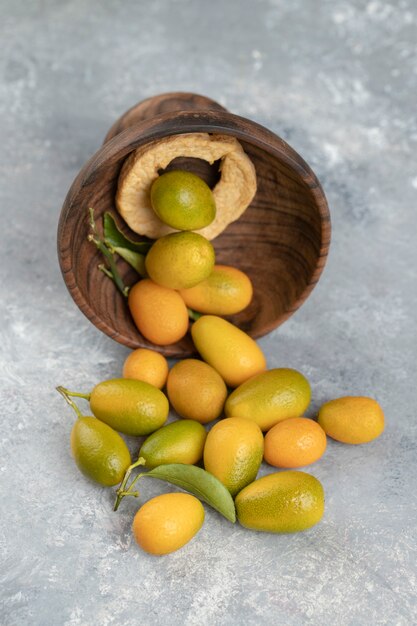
281	241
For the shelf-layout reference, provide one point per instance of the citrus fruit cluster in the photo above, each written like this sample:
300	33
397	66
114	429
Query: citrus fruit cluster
262	420
180	268
262	411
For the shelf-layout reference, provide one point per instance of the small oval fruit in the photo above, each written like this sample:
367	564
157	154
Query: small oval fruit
166	523
225	292
180	260
231	352
295	442
146	365
270	397
284	502
352	419
179	442
159	313
196	390
99	452
233	452
129	406
183	200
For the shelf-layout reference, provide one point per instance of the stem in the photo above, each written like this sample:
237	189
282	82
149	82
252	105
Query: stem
122	491
109	274
75	394
66	395
94	237
104	269
193	315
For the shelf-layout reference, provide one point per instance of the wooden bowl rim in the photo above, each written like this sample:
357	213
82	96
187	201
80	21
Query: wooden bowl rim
211	105
181	122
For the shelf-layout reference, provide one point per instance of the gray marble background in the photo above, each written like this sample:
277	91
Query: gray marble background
338	81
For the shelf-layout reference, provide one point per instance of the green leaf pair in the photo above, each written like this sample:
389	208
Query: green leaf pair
116	242
132	252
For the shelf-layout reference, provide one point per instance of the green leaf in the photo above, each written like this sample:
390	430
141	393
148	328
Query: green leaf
114	237
111	271
198	482
135	259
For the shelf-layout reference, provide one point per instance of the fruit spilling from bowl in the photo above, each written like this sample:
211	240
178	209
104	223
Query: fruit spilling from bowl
264	410
179	275
272	216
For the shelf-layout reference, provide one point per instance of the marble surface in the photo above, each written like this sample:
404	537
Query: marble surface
337	79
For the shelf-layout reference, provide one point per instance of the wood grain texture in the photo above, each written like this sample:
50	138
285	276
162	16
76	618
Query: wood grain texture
158	105
281	241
